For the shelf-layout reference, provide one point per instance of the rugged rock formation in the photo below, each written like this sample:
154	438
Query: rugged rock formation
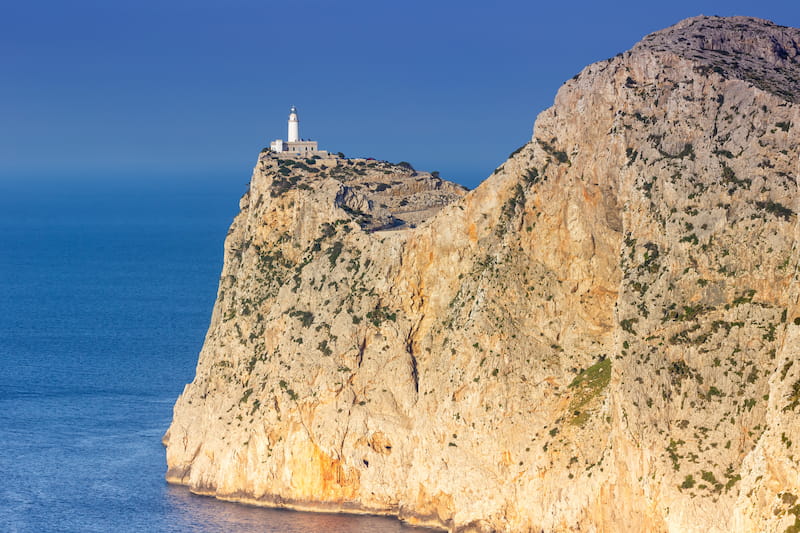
602	337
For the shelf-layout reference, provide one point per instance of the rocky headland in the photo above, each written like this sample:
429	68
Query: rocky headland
603	336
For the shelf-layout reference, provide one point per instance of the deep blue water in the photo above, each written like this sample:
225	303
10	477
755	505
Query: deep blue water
105	295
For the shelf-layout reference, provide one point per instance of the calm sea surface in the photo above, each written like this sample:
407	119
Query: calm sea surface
105	296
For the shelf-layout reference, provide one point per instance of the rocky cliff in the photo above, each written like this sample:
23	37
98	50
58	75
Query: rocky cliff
601	337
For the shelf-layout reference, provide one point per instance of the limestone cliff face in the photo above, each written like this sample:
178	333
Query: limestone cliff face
602	337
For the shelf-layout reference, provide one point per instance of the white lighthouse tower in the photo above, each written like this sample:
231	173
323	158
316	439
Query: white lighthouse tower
294	126
294	145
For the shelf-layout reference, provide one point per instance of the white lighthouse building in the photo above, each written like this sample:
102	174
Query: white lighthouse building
294	126
294	145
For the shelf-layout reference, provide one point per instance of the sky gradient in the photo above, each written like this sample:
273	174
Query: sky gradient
175	90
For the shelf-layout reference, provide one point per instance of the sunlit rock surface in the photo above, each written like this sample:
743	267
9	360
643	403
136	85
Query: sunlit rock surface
603	336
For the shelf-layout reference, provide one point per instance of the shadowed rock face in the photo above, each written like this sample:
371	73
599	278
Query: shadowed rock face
601	337
750	49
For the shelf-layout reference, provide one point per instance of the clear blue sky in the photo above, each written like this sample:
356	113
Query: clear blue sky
170	89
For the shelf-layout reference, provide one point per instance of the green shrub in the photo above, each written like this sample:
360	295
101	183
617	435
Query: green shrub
246	395
775	208
324	348
334	252
380	314
306	317
627	325
531	176
588	384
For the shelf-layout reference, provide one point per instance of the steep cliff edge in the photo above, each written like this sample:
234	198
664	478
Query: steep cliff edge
601	337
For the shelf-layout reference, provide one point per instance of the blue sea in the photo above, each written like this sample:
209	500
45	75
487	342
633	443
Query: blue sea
106	290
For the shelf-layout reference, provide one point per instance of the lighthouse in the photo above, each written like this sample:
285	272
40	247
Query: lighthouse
294	126
294	145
